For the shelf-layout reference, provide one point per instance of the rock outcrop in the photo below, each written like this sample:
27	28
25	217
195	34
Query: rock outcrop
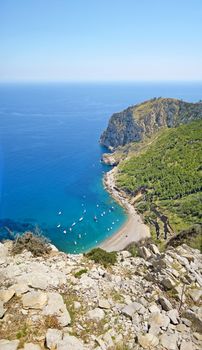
136	122
148	302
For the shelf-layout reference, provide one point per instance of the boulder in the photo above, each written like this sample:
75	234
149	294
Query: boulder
2	310
168	283
34	300
70	342
104	304
148	341
165	303
130	309
53	336
6	294
144	253
186	345
195	294
169	341
9	344
159	320
56	306
96	314
31	346
174	316
154	249
20	288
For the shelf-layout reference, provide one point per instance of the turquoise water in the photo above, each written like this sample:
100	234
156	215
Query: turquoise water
50	157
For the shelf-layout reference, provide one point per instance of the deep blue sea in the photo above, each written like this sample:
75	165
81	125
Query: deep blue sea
50	169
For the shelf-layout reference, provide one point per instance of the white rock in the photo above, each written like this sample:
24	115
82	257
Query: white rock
56	306
31	346
131	309
154	308
34	300
96	314
144	253
6	294
9	344
186	345
104	304
174	316
165	303
2	310
148	341
20	288
169	341
160	320
70	343
195	294
53	336
168	283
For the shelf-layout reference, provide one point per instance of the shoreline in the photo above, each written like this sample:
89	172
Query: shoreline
133	230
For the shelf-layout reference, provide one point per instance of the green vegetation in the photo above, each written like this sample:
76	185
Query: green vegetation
36	244
80	273
102	257
191	236
169	174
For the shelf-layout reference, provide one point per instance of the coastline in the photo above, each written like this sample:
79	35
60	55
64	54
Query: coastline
133	230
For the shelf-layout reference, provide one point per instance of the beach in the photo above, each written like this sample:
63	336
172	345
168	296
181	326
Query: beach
133	229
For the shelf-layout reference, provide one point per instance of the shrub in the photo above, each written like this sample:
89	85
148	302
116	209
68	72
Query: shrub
80	273
36	244
101	256
133	249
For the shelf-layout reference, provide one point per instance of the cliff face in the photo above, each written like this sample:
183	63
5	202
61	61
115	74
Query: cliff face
136	122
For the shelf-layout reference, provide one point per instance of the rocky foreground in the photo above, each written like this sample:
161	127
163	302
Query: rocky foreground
67	302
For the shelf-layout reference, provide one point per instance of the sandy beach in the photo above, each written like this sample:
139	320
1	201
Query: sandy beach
133	229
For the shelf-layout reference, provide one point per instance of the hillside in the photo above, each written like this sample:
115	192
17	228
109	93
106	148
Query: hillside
145	119
57	301
168	173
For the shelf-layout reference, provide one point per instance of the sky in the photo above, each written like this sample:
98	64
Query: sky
100	40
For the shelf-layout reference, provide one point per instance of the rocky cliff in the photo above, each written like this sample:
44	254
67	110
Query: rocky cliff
136	122
68	302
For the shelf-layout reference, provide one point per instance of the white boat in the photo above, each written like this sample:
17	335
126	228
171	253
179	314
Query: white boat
84	211
59	213
75	242
58	226
81	218
64	231
79	236
70	228
74	223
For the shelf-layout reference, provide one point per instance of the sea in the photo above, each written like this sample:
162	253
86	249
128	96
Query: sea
51	174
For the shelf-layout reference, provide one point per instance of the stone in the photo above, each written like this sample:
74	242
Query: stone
158	319
2	310
169	341
20	288
153	308
174	316
186	345
96	314
70	342
104	304
130	309
125	254
9	344
197	336
165	303
34	300
195	319
38	280
53	336
56	306
182	328
6	294
168	283
148	341
31	346
195	294
77	305
144	253
154	249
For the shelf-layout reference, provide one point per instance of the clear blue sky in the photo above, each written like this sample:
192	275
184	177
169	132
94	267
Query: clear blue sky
100	40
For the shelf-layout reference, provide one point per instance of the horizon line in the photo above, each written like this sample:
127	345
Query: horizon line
96	81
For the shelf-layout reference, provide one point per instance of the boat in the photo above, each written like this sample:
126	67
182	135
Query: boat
70	228
84	211
59	213
81	218
75	242
74	223
79	236
64	231
58	226
95	218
